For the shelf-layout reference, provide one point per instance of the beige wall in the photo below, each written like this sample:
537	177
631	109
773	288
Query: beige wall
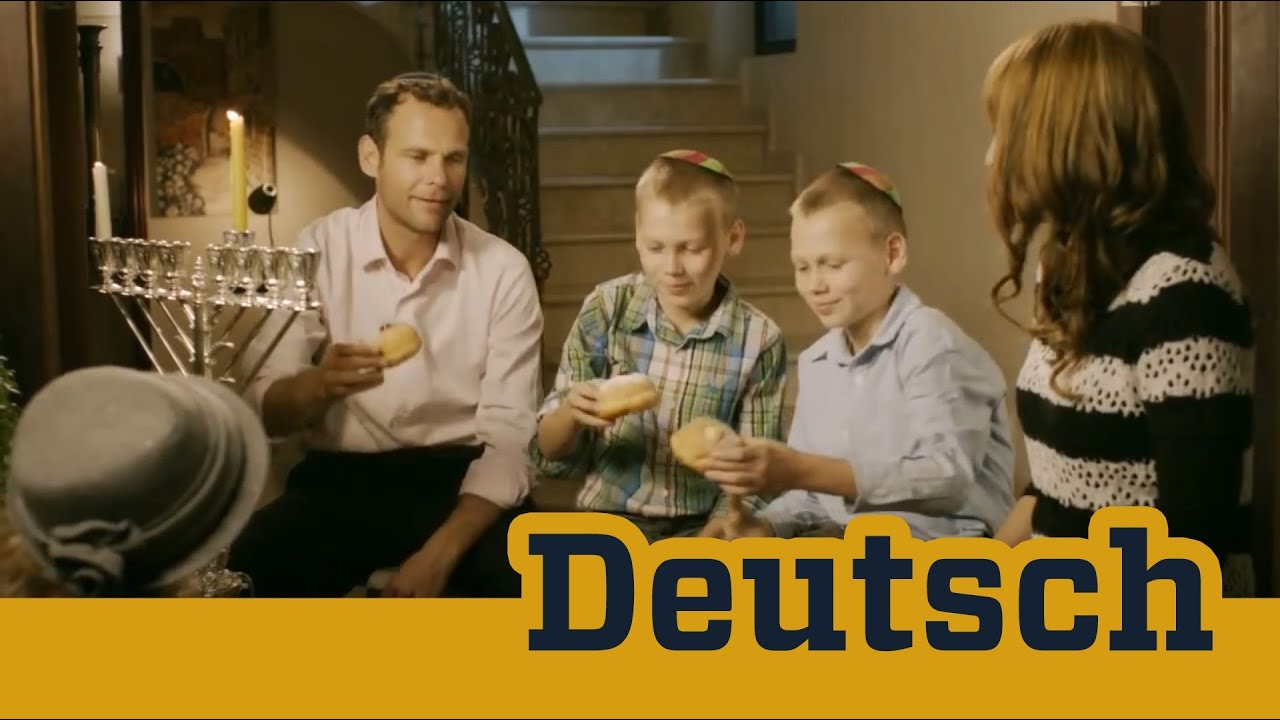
896	85
726	26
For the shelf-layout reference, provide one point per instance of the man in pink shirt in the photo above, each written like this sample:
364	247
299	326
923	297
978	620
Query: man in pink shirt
419	466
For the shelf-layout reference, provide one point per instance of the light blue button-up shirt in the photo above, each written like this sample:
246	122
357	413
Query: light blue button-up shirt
920	416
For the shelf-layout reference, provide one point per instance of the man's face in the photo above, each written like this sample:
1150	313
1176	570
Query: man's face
421	169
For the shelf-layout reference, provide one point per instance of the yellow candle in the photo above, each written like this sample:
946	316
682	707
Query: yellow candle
239	172
101	202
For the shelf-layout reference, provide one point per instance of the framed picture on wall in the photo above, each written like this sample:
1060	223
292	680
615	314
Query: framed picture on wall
208	58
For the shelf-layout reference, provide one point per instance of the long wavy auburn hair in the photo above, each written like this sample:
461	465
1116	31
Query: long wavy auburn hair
1091	158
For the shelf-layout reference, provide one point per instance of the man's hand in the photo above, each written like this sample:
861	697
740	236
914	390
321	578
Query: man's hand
424	575
749	466
347	369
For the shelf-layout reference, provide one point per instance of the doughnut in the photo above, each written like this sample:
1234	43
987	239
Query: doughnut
625	394
398	343
693	442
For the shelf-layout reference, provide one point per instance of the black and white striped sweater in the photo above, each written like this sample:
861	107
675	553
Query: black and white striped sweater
1166	407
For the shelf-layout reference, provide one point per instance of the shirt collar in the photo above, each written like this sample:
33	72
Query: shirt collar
833	345
369	252
642	311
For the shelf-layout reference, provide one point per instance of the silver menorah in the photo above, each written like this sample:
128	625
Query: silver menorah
204	311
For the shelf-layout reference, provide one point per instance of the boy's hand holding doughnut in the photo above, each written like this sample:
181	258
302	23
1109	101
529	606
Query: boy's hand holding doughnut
597	403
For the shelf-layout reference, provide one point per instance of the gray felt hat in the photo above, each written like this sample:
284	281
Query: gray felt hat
124	481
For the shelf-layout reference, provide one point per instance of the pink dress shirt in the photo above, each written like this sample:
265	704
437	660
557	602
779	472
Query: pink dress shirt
476	380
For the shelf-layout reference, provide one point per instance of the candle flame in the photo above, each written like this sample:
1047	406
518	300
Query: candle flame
232	115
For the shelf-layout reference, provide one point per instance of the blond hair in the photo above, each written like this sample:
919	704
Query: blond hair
676	181
839	185
1091	155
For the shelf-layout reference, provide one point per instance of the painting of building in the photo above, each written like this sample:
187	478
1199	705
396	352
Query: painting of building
208	58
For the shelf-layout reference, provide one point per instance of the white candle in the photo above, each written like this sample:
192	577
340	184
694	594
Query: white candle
101	202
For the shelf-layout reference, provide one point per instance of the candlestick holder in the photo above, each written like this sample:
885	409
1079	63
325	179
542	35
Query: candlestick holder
205	310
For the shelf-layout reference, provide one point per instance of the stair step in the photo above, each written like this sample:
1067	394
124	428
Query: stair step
594	258
612	17
600	58
591	42
687	101
627	149
604	204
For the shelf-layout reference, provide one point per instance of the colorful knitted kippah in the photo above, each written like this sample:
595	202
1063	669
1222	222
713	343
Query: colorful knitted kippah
700	159
878	180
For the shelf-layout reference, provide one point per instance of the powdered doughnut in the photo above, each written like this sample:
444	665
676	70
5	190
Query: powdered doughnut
398	343
693	442
625	394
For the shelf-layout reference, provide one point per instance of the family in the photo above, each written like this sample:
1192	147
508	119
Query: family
1136	388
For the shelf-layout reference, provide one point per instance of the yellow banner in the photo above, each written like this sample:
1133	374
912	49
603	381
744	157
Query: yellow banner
1128	622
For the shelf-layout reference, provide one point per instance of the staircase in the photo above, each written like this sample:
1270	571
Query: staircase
616	93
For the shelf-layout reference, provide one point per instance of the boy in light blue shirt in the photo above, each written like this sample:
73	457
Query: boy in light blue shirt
899	411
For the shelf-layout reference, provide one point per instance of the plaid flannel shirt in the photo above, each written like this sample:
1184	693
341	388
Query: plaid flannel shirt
733	368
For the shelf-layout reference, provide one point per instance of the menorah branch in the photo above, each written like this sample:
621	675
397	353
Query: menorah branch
254	331
262	359
177	327
144	306
146	347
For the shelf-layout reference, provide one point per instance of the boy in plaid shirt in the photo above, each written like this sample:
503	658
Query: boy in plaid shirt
679	322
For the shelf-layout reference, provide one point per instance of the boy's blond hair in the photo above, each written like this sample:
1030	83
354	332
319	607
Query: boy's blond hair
840	184
679	177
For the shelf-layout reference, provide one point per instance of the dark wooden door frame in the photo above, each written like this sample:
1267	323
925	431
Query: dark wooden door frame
1227	59
28	301
50	321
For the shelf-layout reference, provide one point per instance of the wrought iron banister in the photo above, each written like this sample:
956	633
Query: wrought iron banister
478	48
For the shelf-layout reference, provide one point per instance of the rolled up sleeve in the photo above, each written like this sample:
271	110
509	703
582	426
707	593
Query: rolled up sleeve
950	396
795	511
584	358
508	394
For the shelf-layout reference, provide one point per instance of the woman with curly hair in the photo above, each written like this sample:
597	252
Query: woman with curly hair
1138	385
